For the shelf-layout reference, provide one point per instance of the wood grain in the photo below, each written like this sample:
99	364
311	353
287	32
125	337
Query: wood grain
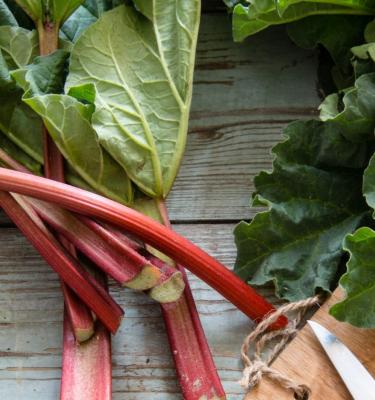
304	359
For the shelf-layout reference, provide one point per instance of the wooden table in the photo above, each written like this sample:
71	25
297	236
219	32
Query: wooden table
243	96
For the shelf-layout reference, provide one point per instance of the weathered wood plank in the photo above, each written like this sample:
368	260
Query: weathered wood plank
31	322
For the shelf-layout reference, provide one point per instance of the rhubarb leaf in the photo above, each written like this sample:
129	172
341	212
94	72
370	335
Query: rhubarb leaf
357	118
19	46
33	8
6	15
143	91
359	281
86	15
22	19
21	125
297	243
57	11
322	30
19	155
68	122
258	15
45	75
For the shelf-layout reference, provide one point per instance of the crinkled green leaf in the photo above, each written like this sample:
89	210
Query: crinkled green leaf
322	30
248	20
369	183
18	122
357	118
68	122
143	93
297	243
358	308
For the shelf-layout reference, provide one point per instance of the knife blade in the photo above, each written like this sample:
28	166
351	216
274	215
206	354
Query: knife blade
357	379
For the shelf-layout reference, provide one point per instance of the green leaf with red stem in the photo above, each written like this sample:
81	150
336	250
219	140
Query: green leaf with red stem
151	232
69	271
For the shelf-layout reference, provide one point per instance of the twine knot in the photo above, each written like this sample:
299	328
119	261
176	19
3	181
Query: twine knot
256	368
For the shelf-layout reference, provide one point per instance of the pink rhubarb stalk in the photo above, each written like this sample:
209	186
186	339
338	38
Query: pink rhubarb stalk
151	232
87	369
68	269
195	366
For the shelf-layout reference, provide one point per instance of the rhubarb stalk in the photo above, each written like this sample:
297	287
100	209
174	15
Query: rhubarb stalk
81	319
86	370
195	366
69	270
158	236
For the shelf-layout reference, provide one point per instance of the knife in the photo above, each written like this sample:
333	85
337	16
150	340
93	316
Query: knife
357	379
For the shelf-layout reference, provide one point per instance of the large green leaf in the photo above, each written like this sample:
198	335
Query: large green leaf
21	125
359	282
143	90
259	15
357	118
297	243
68	122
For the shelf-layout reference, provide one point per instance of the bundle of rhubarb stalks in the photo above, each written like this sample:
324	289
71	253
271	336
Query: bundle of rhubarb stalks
97	94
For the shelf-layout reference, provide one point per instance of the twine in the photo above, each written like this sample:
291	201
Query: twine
256	368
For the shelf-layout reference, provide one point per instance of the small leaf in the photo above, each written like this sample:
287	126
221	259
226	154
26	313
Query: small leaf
357	118
45	75
359	282
297	243
21	125
19	46
143	91
86	15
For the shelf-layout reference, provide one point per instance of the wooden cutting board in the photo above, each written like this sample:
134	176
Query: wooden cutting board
305	361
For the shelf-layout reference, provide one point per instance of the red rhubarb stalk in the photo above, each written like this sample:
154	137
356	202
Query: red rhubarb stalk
68	269
151	232
195	366
87	370
81	318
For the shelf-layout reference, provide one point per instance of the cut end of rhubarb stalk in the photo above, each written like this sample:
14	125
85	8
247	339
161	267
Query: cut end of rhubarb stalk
146	279
82	335
170	290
